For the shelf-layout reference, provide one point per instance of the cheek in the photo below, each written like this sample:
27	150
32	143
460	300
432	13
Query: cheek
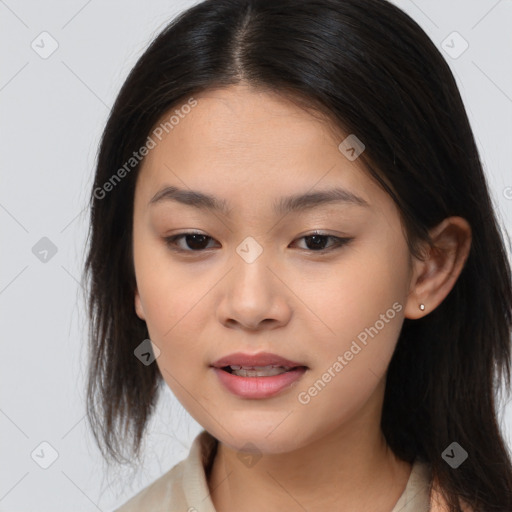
177	309
362	314
361	300
173	325
167	292
173	320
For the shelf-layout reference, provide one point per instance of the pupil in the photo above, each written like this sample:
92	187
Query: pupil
198	241
318	238
194	238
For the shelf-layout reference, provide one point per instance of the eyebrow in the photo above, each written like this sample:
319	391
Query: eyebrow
287	204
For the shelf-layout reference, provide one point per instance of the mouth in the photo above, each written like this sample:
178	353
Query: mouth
260	382
266	362
259	371
257	376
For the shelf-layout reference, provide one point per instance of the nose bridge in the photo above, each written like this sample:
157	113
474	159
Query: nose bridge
252	292
251	274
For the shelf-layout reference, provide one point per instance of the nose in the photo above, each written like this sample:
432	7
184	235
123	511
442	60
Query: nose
254	296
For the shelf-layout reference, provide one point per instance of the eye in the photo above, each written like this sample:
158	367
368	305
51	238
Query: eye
317	241
197	242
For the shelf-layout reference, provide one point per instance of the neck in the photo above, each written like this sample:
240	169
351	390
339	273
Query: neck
351	468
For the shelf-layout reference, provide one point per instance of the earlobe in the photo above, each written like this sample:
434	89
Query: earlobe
433	279
418	303
138	306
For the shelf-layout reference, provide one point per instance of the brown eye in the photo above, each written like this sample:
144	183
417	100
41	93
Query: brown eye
198	242
194	242
316	242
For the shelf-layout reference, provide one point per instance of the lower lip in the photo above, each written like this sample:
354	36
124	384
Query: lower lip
258	387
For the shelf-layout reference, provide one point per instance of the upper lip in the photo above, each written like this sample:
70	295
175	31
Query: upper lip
260	359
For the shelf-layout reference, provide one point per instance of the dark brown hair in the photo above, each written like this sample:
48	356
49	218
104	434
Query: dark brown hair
371	69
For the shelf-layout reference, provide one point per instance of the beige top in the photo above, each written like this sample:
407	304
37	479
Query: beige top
184	488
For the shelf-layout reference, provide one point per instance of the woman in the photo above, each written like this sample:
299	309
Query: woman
357	374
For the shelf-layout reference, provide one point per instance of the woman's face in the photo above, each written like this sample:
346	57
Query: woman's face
258	280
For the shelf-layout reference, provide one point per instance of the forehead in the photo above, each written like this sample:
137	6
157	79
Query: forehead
242	142
240	116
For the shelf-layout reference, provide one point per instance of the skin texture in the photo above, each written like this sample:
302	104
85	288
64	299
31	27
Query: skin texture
251	147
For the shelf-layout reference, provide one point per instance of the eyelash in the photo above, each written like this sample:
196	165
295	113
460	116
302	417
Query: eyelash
339	242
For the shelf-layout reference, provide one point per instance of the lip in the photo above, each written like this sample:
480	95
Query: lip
259	387
260	359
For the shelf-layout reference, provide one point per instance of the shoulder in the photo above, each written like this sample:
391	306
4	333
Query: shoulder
157	495
184	483
439	504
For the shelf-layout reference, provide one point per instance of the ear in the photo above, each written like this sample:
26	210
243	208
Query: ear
138	306
434	277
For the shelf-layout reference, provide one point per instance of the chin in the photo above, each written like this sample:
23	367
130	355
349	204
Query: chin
256	438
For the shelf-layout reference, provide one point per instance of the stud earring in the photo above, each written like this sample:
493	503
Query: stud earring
422	307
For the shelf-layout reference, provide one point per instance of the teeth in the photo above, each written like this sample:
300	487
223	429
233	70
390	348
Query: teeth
236	367
258	371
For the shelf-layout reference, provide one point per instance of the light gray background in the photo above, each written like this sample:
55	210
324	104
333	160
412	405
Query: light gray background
53	111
